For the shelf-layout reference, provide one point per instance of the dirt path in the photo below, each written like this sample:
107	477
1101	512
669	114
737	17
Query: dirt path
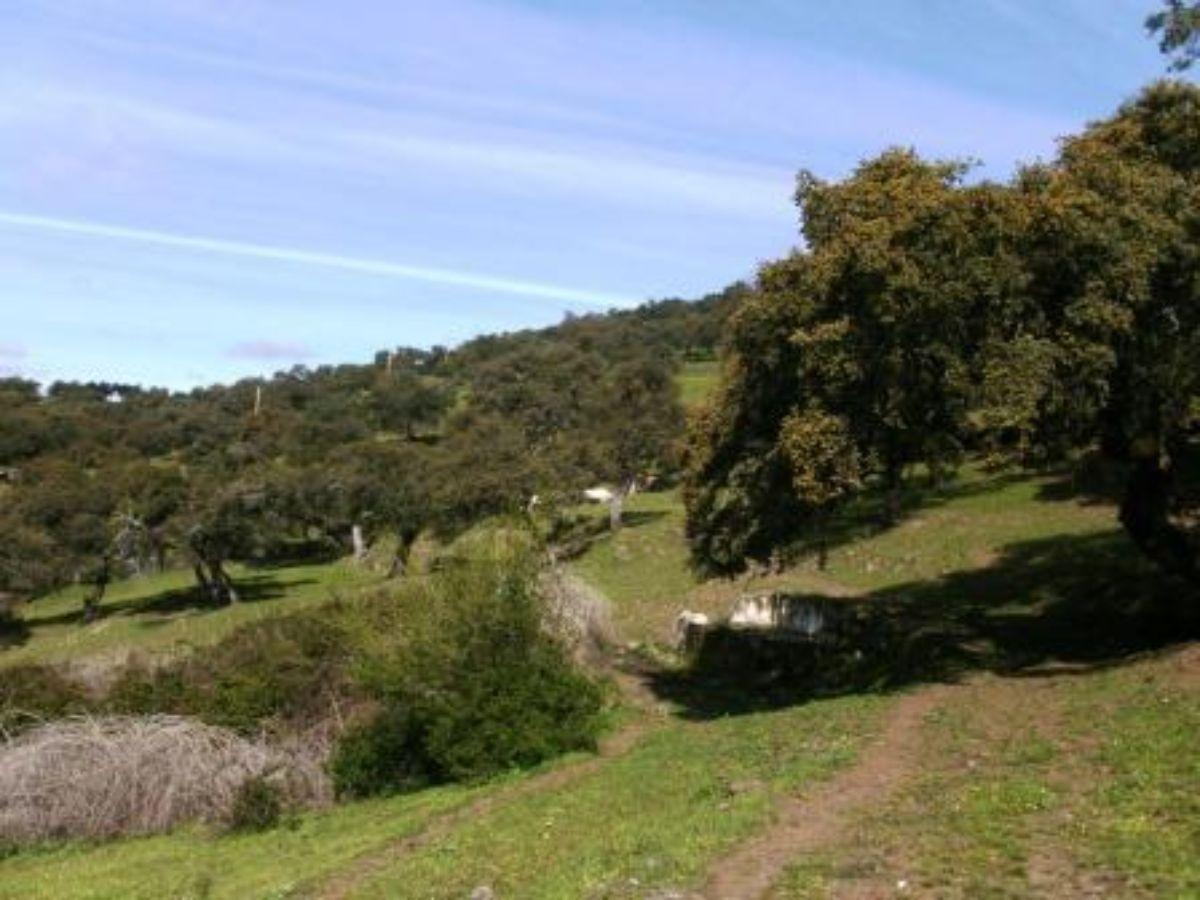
344	882
808	823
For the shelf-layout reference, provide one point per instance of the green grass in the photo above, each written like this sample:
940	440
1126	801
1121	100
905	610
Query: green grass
967	526
1138	728
1053	783
658	814
158	613
197	864
1067	785
697	381
654	818
642	568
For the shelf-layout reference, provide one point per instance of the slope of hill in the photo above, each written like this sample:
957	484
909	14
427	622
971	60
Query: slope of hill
1052	758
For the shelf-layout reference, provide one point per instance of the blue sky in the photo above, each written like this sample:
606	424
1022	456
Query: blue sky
196	190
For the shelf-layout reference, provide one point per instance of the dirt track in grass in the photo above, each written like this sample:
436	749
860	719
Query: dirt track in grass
807	823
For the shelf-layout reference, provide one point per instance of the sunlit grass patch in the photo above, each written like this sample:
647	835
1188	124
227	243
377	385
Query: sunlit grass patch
156	613
655	817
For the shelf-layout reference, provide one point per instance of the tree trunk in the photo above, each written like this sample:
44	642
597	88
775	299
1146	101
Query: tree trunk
91	602
616	506
227	594
891	494
404	543
215	582
1145	513
158	545
202	580
360	547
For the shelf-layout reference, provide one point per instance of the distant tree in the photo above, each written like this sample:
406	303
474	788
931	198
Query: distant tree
405	401
636	427
220	525
30	564
387	492
1177	25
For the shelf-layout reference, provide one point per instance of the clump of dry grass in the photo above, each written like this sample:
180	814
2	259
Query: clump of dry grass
576	612
122	775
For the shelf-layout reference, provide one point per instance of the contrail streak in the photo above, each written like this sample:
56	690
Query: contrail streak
309	258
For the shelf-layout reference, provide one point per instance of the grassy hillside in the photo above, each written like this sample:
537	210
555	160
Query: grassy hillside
971	525
1056	759
1081	783
157	612
656	813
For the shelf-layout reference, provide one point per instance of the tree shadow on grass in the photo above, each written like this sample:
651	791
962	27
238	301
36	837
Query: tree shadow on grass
252	588
1061	603
866	515
13	632
635	518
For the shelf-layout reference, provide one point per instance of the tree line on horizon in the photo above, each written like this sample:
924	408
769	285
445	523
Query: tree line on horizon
927	317
100	479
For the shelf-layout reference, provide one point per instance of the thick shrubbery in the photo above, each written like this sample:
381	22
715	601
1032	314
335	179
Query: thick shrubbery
462	671
471	684
385	754
289	668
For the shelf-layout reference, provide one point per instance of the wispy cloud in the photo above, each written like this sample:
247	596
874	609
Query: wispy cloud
267	350
291	255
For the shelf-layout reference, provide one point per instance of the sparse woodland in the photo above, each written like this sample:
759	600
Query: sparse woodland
358	616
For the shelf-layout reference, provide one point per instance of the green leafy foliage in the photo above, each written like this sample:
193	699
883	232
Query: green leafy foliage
471	684
102	480
289	668
1177	25
385	755
927	317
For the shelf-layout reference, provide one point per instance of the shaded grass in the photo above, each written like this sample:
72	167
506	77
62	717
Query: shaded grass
1068	781
158	613
967	525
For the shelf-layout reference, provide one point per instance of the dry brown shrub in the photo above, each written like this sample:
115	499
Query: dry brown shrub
123	775
576	612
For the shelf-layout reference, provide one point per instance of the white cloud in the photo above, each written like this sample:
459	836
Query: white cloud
382	268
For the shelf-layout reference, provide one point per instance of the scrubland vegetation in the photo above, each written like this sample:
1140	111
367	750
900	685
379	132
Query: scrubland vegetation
352	631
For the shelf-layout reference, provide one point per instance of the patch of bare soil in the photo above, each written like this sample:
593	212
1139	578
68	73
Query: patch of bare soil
809	823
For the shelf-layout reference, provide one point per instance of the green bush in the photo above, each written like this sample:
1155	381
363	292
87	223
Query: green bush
257	806
385	755
471	684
